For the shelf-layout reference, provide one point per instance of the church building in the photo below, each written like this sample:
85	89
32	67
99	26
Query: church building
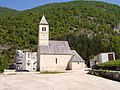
54	55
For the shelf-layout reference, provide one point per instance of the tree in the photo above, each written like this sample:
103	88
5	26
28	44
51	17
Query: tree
3	62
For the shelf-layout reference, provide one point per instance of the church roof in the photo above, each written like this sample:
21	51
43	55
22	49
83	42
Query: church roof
43	20
60	48
56	47
76	57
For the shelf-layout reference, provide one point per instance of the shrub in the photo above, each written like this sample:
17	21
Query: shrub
111	63
3	62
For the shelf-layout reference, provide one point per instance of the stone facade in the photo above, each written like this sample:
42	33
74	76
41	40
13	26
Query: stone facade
78	65
54	62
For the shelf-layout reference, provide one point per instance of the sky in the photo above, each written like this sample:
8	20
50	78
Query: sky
28	4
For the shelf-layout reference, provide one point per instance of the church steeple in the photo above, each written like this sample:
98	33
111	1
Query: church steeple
43	32
43	38
43	20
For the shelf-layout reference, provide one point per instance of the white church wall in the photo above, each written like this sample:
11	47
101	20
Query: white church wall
43	35
54	62
47	28
44	42
78	65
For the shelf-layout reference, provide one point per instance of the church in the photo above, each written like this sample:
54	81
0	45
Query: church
50	56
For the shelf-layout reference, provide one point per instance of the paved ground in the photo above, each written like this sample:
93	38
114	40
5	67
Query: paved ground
66	81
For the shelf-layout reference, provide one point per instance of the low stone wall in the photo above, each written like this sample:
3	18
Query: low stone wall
114	75
6	71
114	68
13	72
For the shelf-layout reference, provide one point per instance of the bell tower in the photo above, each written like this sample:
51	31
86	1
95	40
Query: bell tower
43	36
43	32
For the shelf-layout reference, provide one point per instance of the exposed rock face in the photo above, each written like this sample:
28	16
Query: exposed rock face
117	28
5	47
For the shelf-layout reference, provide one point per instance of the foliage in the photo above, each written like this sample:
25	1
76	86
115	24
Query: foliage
87	25
3	62
6	11
111	63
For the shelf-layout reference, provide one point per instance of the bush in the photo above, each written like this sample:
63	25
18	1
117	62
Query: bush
50	72
110	65
3	62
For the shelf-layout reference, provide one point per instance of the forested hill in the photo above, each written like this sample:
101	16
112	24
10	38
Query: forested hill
89	26
6	11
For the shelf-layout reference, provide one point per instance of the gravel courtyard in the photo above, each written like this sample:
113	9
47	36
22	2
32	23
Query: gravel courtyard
75	80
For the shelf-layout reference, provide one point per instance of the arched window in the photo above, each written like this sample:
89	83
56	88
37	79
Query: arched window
56	60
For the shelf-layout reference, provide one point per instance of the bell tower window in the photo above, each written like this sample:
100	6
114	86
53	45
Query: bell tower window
43	28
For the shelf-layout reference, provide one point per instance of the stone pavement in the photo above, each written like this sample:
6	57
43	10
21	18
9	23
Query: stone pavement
73	80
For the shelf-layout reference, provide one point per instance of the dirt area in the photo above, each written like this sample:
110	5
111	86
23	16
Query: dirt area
75	80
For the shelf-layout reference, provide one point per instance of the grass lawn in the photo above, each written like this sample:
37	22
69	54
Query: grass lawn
111	63
47	72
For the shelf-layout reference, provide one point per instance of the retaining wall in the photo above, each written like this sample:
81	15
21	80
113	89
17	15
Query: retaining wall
114	75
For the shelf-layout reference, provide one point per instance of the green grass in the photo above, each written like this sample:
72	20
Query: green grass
111	63
12	74
52	72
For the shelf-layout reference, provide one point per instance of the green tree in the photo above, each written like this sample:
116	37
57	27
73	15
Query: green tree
3	62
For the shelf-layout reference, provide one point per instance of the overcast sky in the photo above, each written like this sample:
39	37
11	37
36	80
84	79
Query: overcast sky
27	4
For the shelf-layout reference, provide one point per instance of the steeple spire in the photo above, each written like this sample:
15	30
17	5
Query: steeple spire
43	20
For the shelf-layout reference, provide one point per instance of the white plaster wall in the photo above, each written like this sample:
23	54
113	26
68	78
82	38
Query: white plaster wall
43	42
114	56
24	61
99	57
35	66
48	62
40	28
19	59
28	67
32	57
103	57
43	35
78	65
